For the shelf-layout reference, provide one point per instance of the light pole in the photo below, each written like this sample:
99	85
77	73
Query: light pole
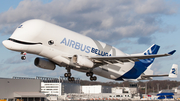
158	87
146	88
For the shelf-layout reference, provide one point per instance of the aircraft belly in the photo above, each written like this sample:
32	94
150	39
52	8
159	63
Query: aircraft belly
81	69
113	71
105	73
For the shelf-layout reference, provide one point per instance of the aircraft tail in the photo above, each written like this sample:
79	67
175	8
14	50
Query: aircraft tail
148	73
150	51
174	71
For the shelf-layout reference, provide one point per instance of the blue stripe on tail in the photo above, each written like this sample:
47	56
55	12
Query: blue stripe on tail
141	65
150	51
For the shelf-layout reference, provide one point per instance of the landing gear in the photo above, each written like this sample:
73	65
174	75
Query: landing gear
92	78
70	78
89	74
23	57
69	75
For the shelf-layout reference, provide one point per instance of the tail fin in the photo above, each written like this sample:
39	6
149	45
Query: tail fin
174	71
150	51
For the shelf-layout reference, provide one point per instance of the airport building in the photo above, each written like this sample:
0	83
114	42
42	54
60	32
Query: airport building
46	88
21	89
95	89
53	89
59	86
36	89
120	90
40	88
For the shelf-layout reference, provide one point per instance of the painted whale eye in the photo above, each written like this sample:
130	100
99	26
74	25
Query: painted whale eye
50	42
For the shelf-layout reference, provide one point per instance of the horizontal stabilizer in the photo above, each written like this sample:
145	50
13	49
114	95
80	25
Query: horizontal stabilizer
172	74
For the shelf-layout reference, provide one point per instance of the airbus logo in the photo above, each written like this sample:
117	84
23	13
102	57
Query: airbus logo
83	48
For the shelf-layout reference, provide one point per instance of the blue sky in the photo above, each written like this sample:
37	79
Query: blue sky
132	26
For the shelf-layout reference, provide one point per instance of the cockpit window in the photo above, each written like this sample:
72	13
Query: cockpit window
20	26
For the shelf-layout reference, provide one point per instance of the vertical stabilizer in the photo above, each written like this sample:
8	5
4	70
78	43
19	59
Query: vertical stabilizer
174	71
150	51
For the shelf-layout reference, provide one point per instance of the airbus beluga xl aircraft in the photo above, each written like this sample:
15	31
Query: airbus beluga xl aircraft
65	48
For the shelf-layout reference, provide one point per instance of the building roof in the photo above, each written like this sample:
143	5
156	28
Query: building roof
167	91
178	87
165	94
29	94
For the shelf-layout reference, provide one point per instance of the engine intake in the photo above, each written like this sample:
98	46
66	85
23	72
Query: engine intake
82	61
44	63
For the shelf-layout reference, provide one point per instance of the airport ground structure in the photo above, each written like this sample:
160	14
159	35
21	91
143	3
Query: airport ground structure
59	89
21	89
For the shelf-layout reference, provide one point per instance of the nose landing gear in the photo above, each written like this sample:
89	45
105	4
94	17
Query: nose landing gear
23	57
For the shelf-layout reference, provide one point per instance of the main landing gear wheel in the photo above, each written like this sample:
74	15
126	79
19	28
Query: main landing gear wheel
70	78
89	74
69	75
93	78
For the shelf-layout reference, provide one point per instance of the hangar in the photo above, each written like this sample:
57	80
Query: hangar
24	89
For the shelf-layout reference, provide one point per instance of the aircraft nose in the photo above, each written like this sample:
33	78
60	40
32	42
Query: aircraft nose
14	46
7	44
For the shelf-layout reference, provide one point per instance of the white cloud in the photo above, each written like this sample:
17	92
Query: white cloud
154	7
117	19
87	31
107	23
139	29
105	20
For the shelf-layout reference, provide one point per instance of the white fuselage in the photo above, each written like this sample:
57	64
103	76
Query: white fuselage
66	44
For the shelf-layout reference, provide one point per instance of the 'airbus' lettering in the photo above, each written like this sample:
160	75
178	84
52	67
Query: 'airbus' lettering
83	48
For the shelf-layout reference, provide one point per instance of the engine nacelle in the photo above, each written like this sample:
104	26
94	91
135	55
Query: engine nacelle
44	63
82	61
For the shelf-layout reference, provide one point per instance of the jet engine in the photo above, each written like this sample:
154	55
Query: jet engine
82	61
44	63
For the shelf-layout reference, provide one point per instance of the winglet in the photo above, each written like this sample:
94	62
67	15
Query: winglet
172	52
174	71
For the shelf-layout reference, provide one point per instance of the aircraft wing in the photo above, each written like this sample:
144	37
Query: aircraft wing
121	59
